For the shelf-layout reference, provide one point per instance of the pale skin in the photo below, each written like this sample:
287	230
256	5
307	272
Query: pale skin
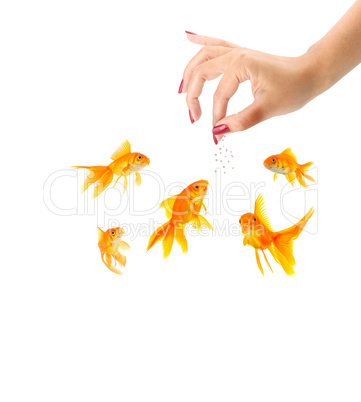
280	85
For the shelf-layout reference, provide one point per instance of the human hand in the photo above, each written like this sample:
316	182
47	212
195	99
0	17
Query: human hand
280	85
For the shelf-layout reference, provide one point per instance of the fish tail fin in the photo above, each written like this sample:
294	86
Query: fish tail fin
180	238
108	263
96	173
300	178
306	166
103	182
282	249
281	259
303	169
165	233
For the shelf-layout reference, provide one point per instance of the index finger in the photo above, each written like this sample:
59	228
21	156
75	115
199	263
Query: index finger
209	41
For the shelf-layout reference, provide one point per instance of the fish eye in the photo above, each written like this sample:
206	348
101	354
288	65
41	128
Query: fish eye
196	186
139	158
113	233
273	160
254	219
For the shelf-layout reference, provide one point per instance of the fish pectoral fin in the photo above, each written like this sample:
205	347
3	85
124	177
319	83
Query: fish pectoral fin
123	245
138	179
205	208
125	184
264	254
258	261
245	241
122	150
122	259
196	223
204	222
200	221
116	181
275	176
291	177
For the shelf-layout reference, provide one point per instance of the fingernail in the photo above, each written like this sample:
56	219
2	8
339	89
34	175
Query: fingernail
180	87
217	138
222	129
190	33
190	116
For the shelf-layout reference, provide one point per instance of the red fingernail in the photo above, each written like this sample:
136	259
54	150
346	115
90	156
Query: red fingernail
180	87
190	33
222	129
190	116
215	139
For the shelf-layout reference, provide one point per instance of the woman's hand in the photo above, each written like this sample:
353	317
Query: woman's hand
280	85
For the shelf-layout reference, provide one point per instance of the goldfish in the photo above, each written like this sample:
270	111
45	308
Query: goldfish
286	163
124	164
109	242
181	209
258	233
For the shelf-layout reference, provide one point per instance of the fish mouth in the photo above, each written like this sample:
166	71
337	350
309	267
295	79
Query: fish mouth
204	183
245	229
138	166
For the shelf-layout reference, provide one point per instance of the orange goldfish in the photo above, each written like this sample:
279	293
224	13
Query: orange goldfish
124	163
286	163
109	242
181	209
258	233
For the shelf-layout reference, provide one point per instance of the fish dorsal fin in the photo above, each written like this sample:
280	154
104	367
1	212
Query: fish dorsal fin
289	152
168	205
100	235
260	212
122	150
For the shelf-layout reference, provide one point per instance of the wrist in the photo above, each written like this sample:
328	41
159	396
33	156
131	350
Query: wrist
318	70
324	65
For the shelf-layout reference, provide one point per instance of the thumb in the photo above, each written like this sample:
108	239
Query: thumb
247	118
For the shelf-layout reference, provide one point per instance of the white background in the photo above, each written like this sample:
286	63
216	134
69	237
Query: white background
78	78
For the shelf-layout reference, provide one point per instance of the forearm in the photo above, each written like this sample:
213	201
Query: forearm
339	51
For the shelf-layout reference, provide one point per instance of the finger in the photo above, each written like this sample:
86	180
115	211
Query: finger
205	54
227	87
247	118
202	73
209	41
